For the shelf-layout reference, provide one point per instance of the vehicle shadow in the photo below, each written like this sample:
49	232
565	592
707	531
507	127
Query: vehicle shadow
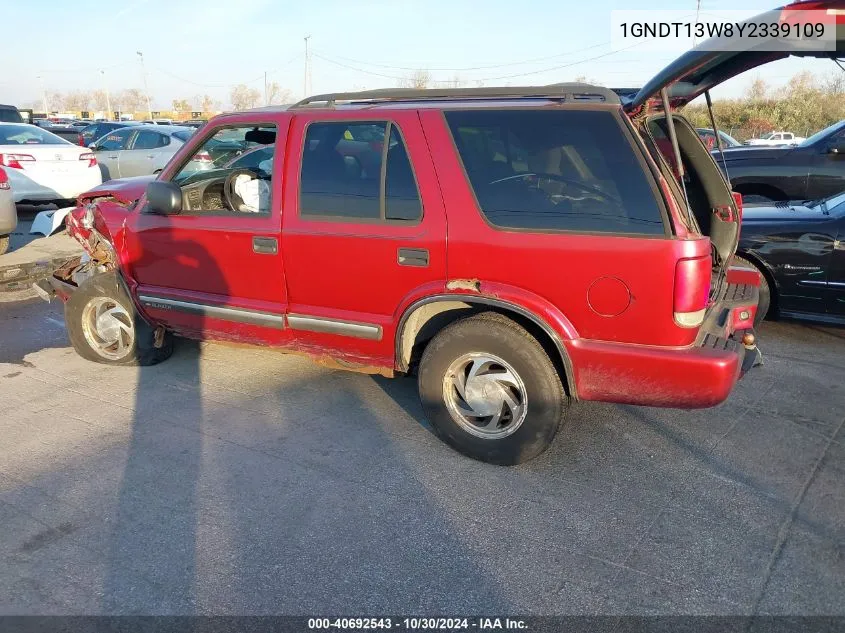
154	527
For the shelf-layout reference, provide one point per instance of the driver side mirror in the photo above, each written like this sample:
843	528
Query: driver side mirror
837	148
94	147
164	198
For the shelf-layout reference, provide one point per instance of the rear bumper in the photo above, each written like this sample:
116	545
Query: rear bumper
59	187
701	375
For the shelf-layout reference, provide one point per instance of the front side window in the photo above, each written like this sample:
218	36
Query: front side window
555	170
349	173
212	182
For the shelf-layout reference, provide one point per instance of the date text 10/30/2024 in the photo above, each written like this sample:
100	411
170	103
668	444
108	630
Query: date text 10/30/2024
416	624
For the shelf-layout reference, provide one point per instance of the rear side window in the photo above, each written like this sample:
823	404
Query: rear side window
555	170
349	172
147	139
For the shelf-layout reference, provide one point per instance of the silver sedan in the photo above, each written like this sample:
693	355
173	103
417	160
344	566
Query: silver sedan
138	150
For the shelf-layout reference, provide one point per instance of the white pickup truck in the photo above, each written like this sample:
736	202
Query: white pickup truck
777	138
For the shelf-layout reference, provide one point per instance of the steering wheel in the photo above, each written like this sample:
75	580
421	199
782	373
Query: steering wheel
233	200
596	191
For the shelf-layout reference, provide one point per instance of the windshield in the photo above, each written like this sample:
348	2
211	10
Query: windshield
182	135
28	135
825	132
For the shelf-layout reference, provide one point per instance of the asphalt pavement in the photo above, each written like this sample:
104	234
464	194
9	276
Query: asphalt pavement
243	481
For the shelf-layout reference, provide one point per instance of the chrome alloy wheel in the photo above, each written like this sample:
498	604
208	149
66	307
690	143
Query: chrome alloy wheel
108	328
485	396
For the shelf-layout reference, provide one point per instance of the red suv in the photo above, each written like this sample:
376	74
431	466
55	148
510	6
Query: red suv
516	248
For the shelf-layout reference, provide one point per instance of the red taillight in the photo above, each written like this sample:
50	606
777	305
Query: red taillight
14	160
738	202
90	157
692	290
81	140
203	157
4	179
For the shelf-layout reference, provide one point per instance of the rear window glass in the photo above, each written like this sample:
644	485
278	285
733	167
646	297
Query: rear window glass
183	135
28	135
564	170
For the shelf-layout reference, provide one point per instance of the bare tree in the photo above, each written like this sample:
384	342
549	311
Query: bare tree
207	103
276	95
55	100
455	82
181	105
244	98
417	79
132	100
98	97
758	90
835	83
76	101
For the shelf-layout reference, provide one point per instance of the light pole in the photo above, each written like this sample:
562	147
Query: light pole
108	101
305	81
146	90
44	97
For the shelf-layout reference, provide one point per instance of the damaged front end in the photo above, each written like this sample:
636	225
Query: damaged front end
89	226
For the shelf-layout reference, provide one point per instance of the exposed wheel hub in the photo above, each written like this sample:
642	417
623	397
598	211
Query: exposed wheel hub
484	395
108	328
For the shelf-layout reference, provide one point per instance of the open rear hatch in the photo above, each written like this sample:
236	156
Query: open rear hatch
697	182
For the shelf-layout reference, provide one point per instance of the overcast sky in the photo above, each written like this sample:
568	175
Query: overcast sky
195	47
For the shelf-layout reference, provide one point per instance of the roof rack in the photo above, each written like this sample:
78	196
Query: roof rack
569	92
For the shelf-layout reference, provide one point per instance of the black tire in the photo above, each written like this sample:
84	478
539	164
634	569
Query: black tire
545	400
756	198
765	302
4	243
141	350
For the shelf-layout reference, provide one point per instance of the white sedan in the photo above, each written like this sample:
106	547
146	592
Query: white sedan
43	167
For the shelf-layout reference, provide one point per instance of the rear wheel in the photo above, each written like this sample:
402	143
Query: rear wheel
4	243
490	390
104	326
765	301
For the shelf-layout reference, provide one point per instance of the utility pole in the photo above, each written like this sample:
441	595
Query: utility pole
108	101
306	87
266	98
44	97
146	90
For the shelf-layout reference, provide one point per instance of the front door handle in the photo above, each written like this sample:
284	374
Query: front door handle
412	257
265	245
151	155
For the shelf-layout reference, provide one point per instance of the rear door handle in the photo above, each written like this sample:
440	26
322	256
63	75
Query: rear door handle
412	257
265	245
112	156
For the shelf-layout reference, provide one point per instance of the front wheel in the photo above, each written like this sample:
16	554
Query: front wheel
104	326
490	390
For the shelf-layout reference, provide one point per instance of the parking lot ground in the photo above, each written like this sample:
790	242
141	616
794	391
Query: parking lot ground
244	481
31	257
